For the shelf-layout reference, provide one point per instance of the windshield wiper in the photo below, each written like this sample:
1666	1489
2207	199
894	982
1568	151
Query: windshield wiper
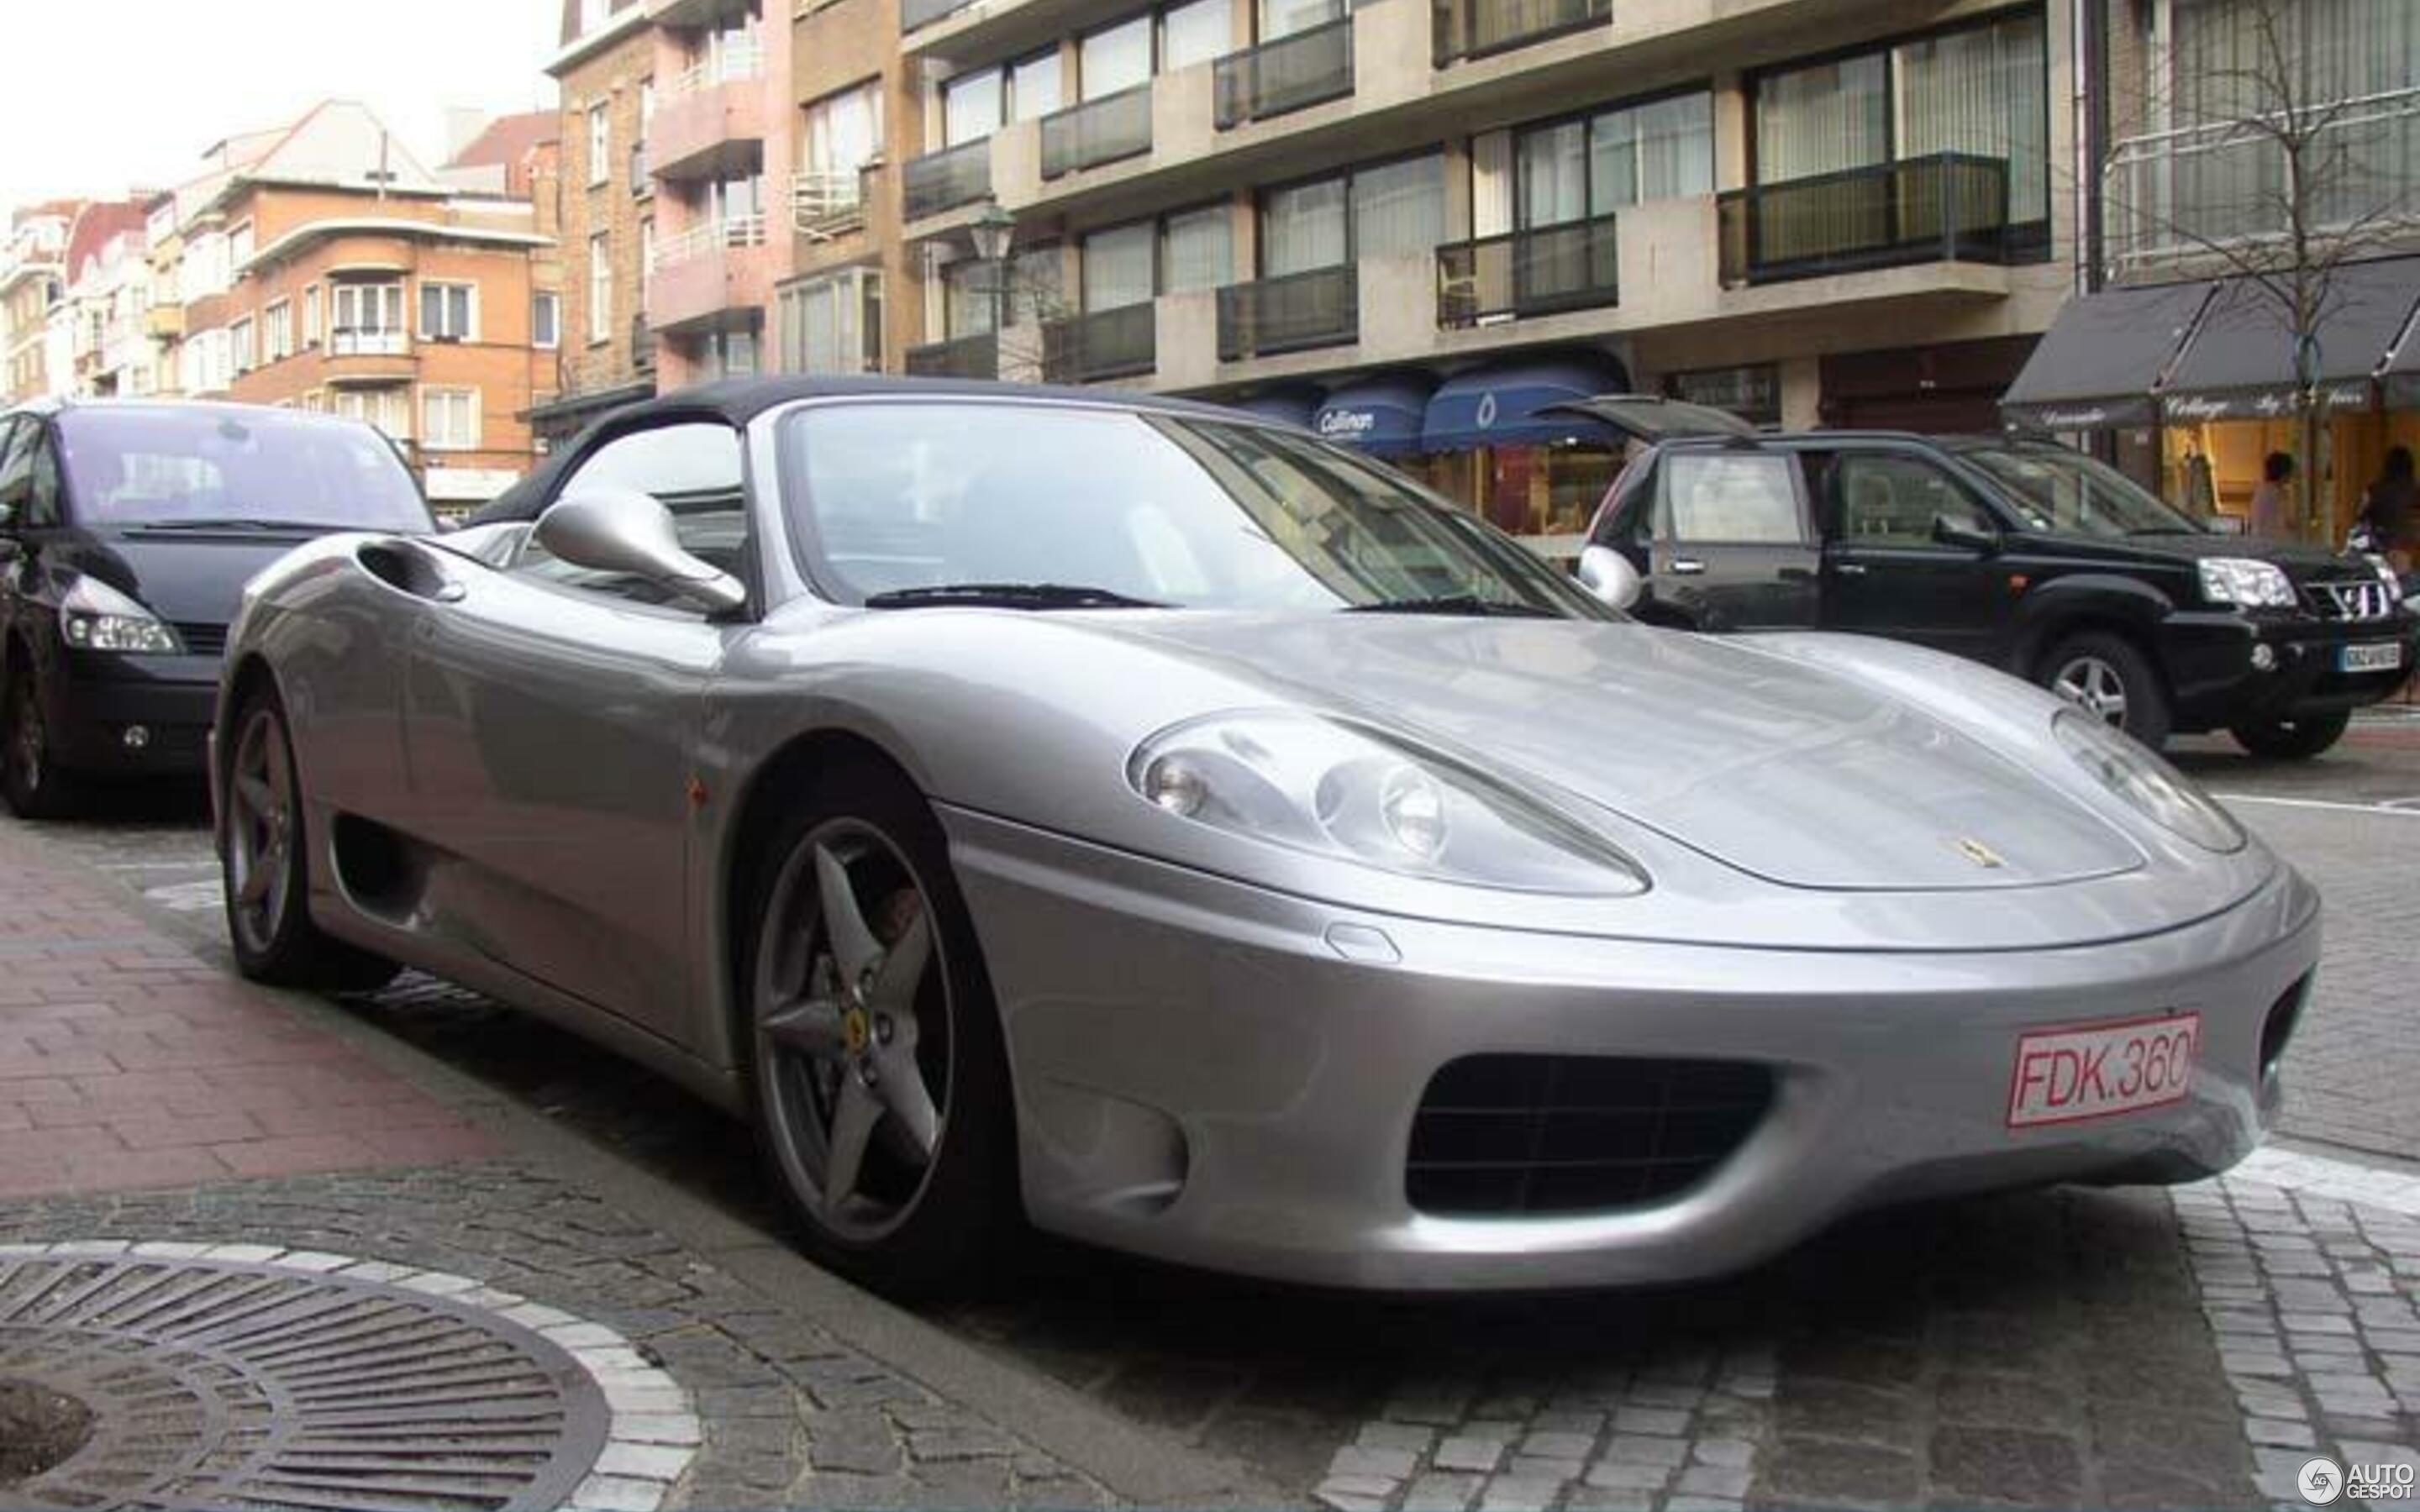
1008	595
278	527
1456	604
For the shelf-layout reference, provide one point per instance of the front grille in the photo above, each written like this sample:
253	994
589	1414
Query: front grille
1499	1134
202	640
2361	600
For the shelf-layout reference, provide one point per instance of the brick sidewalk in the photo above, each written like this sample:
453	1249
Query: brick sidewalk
126	1061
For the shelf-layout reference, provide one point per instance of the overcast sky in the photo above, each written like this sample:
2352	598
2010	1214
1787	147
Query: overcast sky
105	95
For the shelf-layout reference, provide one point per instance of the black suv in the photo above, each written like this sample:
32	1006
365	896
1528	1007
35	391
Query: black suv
2022	554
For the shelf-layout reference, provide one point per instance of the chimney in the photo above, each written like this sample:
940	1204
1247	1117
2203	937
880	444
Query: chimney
463	124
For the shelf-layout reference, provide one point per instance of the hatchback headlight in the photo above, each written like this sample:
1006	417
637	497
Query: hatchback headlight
2153	788
1343	790
94	616
2244	581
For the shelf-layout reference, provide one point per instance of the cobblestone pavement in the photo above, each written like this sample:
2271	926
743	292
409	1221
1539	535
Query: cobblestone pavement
2076	1346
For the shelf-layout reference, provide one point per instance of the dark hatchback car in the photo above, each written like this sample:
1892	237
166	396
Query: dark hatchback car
2020	553
127	533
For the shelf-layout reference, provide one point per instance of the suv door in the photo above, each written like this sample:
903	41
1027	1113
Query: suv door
1887	572
1734	548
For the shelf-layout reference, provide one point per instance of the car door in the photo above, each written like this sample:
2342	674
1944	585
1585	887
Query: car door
1733	546
1887	573
551	715
34	566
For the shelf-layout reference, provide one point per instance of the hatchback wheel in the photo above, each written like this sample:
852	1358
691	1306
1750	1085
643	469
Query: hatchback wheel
881	1087
2292	740
29	775
263	860
2107	677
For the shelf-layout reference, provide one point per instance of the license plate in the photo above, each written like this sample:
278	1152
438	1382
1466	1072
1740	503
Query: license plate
2380	656
2066	1075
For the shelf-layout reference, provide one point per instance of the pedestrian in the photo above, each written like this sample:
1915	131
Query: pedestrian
2272	511
2390	509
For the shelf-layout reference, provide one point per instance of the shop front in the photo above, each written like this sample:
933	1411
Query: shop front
1492	444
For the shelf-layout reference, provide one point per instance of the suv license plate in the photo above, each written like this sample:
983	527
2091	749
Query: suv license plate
2378	656
2066	1075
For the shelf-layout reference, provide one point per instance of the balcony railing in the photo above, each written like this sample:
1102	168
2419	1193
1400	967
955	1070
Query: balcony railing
1292	73
345	342
1295	312
1543	270
710	236
1477	28
1097	132
944	181
965	357
1106	344
1951	208
726	63
915	13
825	203
2170	196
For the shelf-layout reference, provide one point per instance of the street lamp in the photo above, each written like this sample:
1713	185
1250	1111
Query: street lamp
993	232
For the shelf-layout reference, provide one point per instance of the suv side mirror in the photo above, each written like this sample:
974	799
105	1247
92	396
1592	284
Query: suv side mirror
624	530
1947	531
1607	574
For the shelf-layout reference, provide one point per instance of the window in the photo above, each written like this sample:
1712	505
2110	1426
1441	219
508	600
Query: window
1717	497
600	287
240	347
449	419
732	353
1577	170
277	332
693	470
367	318
1891	501
844	134
387	407
971	107
1283	18
1197	250
601	145
42	497
1109	62
310	314
239	245
832	325
546	319
1195	33
1389	209
1117	267
448	311
1034	87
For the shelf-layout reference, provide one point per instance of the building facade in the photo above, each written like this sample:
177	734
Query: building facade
605	204
107	299
33	279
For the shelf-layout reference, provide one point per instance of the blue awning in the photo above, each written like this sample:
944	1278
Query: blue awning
1498	406
1291	404
1382	416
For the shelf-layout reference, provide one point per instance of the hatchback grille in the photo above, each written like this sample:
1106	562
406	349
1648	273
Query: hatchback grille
2363	600
202	640
1576	1134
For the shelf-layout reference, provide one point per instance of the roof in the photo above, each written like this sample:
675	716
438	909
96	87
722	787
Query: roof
508	139
95	224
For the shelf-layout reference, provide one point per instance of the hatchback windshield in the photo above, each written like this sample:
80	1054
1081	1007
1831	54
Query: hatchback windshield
2068	492
904	500
168	466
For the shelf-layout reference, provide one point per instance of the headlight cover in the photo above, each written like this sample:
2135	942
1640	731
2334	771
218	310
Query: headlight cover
2243	581
1342	790
2149	785
94	616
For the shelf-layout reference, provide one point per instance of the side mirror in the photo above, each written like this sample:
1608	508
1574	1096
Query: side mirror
1609	576
622	530
1947	531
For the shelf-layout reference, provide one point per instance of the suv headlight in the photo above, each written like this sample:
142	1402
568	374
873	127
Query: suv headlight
2153	788
94	616
1344	791
2244	581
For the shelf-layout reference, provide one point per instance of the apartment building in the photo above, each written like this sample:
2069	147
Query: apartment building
32	280
605	202
853	91
323	267
107	297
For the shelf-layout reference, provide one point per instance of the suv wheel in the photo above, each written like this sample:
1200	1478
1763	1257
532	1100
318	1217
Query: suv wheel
2106	676
2292	740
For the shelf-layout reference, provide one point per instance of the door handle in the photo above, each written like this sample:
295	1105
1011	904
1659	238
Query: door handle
1686	566
1850	569
448	592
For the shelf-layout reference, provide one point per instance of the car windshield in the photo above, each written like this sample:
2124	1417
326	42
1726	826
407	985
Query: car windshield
2070	493
943	501
200	467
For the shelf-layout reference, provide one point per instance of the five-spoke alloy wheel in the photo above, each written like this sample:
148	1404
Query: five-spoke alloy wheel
2107	677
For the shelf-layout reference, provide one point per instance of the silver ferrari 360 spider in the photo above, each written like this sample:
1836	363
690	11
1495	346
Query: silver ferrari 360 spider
1157	826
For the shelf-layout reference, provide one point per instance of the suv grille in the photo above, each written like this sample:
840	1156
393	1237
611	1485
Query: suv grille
1576	1134
2360	600
202	640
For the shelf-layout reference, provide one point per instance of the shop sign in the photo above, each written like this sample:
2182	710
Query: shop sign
2261	404
1753	393
1346	425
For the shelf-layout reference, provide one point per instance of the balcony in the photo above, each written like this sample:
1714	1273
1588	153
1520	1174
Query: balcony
967	357
1545	271
368	356
1106	344
947	179
826	203
1278	78
1481	28
1296	312
1096	131
165	322
708	269
1952	207
711	106
914	14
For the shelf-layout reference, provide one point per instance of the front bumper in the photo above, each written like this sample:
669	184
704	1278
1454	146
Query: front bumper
1220	1076
2216	682
98	698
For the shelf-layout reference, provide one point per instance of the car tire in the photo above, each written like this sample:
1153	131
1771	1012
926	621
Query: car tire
263	861
2292	740
30	779
2108	676
862	1046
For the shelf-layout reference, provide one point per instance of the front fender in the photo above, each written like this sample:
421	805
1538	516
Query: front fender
2108	599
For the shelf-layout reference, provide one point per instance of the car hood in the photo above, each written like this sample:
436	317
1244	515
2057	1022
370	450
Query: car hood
2300	561
185	579
1802	776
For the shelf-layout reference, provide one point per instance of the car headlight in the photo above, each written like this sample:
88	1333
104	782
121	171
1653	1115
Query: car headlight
94	616
2244	581
1343	790
2153	788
